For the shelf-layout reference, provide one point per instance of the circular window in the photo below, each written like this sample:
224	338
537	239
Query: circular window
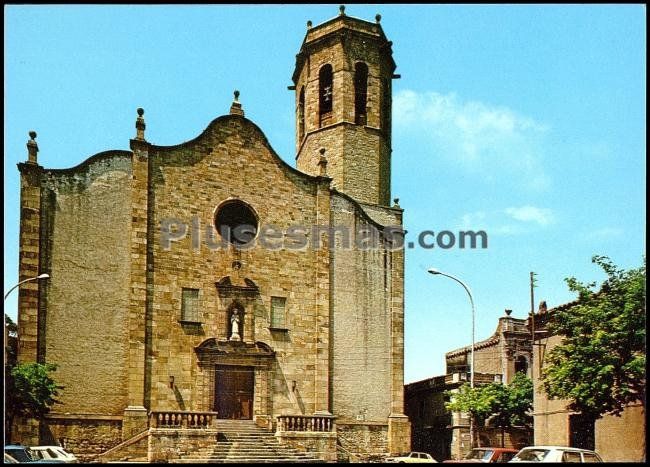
236	222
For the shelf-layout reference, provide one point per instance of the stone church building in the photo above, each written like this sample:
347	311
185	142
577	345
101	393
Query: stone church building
209	283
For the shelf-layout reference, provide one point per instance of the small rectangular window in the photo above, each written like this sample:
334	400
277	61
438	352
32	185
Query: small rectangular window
588	457
570	456
190	306
278	312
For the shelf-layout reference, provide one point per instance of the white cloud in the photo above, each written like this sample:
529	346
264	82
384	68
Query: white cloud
490	140
509	221
491	222
605	233
540	216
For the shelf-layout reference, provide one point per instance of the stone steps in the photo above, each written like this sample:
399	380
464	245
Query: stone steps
244	442
275	460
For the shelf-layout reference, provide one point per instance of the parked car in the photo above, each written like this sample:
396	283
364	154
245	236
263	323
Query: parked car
18	452
21	454
555	454
52	452
487	454
412	457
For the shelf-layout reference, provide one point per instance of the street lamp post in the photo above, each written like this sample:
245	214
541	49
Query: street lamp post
471	368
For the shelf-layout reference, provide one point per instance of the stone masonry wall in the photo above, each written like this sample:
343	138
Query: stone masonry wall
167	444
320	444
29	258
361	363
363	441
84	438
87	257
488	360
232	160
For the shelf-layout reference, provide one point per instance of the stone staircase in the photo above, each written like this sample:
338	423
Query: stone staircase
241	441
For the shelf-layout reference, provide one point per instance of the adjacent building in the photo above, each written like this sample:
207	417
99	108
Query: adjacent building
445	435
615	438
210	281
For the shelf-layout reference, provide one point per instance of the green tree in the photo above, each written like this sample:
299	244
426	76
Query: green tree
508	405
514	402
11	345
600	364
478	402
29	392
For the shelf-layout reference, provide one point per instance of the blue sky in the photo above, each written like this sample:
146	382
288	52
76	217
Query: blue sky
525	121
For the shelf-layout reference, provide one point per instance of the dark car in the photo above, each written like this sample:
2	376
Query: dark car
487	455
18	452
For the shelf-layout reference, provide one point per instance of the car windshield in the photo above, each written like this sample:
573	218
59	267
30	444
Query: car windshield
19	454
531	455
481	454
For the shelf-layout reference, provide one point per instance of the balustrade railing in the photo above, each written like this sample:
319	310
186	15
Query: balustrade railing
322	423
182	419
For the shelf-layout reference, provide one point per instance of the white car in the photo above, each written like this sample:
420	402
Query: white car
52	453
555	454
412	457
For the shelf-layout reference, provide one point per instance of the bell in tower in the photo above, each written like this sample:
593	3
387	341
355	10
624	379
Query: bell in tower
343	104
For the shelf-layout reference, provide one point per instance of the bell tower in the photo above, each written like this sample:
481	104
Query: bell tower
343	87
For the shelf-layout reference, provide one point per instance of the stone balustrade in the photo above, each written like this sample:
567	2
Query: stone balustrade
313	423
182	419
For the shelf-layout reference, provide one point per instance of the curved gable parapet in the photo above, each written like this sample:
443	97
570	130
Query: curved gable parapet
79	177
245	124
100	157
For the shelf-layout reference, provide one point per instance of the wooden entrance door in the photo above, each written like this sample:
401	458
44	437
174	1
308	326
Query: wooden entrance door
233	395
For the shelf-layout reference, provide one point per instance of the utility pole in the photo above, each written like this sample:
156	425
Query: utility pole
533	282
532	304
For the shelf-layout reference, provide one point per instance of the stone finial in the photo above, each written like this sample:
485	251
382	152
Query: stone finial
309	23
235	108
322	163
396	203
378	18
508	312
342	10
140	125
32	148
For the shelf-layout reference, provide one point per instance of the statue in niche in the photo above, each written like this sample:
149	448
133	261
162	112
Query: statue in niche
235	322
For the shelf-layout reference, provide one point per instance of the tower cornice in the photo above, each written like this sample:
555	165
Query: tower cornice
337	29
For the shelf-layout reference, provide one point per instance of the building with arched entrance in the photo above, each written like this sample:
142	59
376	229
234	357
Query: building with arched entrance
446	435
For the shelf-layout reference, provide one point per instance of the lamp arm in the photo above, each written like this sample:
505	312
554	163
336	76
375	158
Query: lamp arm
22	282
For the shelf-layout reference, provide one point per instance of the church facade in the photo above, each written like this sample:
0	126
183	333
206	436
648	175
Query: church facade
211	281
